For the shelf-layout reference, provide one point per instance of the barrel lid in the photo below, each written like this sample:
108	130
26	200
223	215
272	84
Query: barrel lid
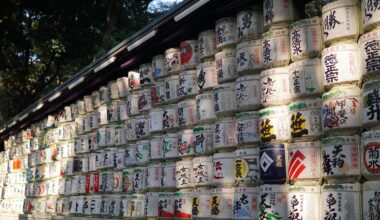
342	91
246	152
305	22
371	185
305	62
338	4
369	36
342	47
303	104
246	189
223	155
283	109
305	189
273	188
375	134
249	43
341	187
172	50
247	115
274	71
353	139
372	84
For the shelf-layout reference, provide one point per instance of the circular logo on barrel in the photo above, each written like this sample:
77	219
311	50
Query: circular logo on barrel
372	157
241	169
186	52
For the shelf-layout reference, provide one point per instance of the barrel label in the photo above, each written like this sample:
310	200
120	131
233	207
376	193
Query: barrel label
372	156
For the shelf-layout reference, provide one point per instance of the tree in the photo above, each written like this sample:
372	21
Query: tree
43	42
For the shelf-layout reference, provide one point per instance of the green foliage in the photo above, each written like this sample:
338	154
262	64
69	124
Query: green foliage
43	42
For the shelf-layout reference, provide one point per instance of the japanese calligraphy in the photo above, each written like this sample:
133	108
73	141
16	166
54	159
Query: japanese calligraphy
331	73
266	51
264	205
184	175
195	206
296	42
294	212
182	86
181	117
199	143
296	82
218	170
201	78
220	34
336	160
298	124
246	23
330	22
372	155
241	92
372	61
374	207
330	213
268	13
266	131
215	203
217	136
373	102
371	6
142	102
200	173
241	59
267	89
241	202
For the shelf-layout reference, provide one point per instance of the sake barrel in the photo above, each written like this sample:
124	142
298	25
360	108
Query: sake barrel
203	139
170	117
305	78
146	77
304	162
138	206
183	204
81	107
225	99
369	45
88	103
127	203
139	179
117	181
123	86
173	64
247	128
370	147
341	158
248	94
169	180
341	64
305	119
249	24
225	30
246	166
154	176
171	85
157	91
186	113
166	205
273	161
151	205
273	127
249	57
201	204
273	201
169	146
342	110
183	174
112	112
113	89
222	203
142	126
144	102
156	149
128	180
94	123
134	80
202	171
205	107
224	136
206	44
370	15
275	88
115	206
133	104
207	75
304	201
245	202
142	152
155	120
130	130
159	66
189	54
277	13
340	21
105	181
370	200
185	145
336	196
305	38
275	47
371	110
130	155
188	86
226	65
223	169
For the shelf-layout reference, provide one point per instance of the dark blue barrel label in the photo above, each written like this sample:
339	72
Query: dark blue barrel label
273	163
